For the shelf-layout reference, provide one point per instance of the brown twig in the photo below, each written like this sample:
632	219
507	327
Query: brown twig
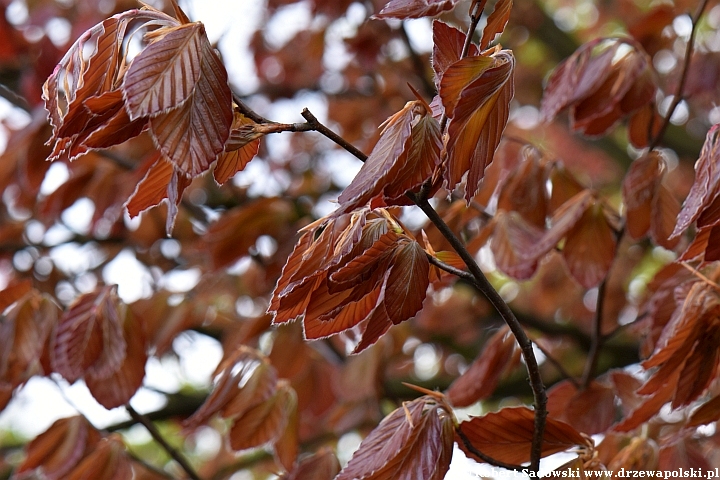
496	463
483	285
683	76
157	436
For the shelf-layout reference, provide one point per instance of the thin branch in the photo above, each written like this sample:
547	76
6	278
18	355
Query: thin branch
487	459
450	269
320	128
484	286
249	112
596	338
683	77
157	436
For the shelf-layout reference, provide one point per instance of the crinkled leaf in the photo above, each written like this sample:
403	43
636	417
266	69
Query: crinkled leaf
403	9
264	422
192	134
506	435
89	336
413	442
118	388
60	448
108	460
448	43
496	22
153	188
706	186
166	72
590	247
478	122
639	188
238	152
482	376
407	283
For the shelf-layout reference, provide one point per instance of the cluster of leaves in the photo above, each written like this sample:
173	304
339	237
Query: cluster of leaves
140	109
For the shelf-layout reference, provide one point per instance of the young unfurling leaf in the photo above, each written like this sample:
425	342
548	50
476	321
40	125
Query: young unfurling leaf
355	270
402	9
412	443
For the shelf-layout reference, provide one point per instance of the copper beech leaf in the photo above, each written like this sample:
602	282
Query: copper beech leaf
448	44
60	448
118	388
154	186
194	132
402	9
413	442
496	22
265	421
590	410
639	188
705	188
109	460
322	465
13	293
24	330
352	270
92	67
482	376
479	116
506	435
166	72
243	380
238	150
89	338
600	83
403	158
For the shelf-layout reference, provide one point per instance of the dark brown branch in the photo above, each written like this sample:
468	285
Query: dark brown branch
678	97
320	128
496	463
526	347
596	338
249	112
157	436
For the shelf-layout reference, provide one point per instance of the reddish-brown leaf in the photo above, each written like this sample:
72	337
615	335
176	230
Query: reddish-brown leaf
641	454
649	407
413	442
108	460
644	125
481	378
264	422
385	161
590	410
448	43
564	187
665	210
402	9
153	188
80	76
514	245
322	465
118	388
407	283
24	330
639	188
60	448
590	247
166	72
708	412
506	435
89	337
578	76
478	121
242	380
706	186
238	150
457	76
13	293
525	191
192	134
496	22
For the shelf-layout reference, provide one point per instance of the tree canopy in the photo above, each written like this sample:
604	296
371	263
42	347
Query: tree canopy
442	225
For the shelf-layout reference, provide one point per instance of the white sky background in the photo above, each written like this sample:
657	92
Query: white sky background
230	22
